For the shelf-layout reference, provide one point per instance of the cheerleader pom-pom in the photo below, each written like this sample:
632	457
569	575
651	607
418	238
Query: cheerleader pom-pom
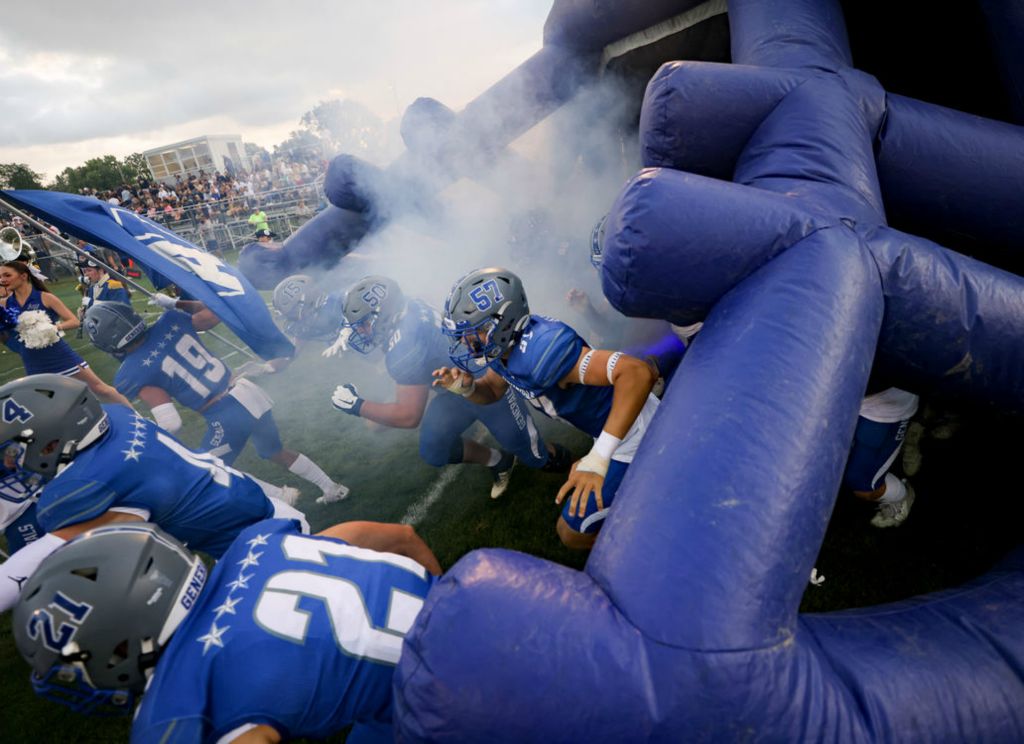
37	331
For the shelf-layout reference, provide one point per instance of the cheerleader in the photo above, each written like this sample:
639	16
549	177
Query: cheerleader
35	338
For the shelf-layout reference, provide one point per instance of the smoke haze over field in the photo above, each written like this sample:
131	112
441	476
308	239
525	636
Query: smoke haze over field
531	210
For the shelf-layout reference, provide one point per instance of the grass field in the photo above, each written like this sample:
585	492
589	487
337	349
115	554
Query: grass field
968	512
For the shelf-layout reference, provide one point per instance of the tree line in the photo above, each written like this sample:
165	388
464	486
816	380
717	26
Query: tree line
330	127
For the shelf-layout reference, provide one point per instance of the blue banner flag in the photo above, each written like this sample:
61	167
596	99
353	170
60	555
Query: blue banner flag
222	288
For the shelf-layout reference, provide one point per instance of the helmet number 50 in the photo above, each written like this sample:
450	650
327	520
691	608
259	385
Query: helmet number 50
480	297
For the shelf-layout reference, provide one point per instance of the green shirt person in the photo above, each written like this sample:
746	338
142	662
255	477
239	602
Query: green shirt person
258	220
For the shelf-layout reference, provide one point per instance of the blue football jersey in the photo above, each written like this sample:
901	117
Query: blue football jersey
547	351
172	357
297	632
18	489
417	347
136	464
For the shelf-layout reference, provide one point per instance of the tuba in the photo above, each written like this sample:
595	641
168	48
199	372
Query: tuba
11	244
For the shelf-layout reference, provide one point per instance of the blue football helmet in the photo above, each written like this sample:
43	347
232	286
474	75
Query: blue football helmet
483	315
372	309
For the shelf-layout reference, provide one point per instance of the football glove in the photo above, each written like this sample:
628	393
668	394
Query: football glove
340	344
165	301
346	399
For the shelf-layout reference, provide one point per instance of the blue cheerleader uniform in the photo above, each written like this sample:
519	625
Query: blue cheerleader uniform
58	358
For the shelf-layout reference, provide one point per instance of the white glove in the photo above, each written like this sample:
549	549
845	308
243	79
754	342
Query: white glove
165	301
253	368
340	344
346	399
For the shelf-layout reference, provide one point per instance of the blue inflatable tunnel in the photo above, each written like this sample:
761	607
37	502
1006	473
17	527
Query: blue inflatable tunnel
762	210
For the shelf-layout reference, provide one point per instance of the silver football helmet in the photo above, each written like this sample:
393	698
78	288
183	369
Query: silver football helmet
307	311
292	296
373	306
113	326
483	315
92	619
53	416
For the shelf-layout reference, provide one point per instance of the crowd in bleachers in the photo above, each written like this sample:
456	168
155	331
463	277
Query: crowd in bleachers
212	210
286	184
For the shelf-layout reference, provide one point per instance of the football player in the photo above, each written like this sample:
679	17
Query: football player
885	415
606	394
108	464
169	362
310	314
378	315
291	635
18	491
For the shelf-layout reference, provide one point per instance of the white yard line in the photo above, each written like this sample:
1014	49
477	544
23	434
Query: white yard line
418	510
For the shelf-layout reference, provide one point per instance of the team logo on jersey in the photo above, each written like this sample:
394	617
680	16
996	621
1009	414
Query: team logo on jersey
14	412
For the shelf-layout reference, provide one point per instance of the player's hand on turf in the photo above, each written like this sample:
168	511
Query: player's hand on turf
579	487
340	343
453	379
346	399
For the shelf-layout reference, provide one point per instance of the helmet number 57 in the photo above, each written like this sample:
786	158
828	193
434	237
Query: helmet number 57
480	297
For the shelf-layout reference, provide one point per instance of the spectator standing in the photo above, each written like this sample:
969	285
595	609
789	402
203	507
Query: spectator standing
258	219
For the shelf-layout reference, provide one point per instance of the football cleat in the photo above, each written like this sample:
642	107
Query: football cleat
502	474
337	492
895	513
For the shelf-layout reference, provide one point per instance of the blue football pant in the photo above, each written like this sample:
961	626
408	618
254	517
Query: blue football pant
508	420
229	425
592	518
875	446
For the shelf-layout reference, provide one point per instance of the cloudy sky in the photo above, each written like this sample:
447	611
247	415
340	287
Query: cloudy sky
80	80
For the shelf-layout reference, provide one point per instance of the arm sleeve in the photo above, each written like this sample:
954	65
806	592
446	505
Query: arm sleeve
20	566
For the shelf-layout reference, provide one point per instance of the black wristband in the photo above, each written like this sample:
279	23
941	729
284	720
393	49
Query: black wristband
356	407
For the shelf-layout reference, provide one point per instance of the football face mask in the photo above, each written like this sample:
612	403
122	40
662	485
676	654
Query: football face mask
365	336
472	347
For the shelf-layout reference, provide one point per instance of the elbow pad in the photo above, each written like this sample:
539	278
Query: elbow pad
167	417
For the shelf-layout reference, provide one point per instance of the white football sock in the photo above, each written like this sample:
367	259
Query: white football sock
894	490
494	458
309	470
